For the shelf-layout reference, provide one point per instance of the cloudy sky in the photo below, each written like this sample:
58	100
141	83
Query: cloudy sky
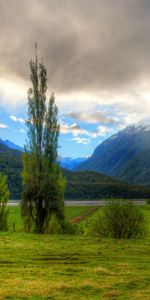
97	54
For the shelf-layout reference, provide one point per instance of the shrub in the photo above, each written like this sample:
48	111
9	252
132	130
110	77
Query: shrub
4	198
120	219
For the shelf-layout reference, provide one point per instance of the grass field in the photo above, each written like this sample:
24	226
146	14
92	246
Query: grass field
72	267
15	217
70	212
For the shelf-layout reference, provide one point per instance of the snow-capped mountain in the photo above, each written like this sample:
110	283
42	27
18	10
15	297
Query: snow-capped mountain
125	155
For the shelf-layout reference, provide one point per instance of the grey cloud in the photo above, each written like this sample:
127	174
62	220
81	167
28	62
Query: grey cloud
87	45
97	117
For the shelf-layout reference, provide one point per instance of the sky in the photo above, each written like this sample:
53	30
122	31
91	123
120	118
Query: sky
97	55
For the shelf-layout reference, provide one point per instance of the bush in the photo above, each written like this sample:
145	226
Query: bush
4	198
120	219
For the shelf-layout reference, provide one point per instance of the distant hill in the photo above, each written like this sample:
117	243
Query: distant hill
91	185
70	163
11	145
65	162
125	155
80	185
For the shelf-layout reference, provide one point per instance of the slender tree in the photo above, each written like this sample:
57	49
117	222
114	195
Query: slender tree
4	198
43	183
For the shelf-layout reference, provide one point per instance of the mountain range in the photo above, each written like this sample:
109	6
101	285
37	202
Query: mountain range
65	162
80	185
69	163
125	155
10	145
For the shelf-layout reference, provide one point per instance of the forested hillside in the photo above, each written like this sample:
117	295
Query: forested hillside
91	185
11	165
80	185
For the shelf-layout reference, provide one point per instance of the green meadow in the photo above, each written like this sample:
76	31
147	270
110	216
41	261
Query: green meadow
15	216
71	267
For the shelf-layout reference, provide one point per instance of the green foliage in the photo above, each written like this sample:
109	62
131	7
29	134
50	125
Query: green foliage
43	183
11	166
119	219
4	198
124	220
53	226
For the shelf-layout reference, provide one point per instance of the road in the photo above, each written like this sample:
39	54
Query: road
85	203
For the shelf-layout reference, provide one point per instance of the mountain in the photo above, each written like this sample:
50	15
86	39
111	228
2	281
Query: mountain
65	162
70	163
11	145
125	155
80	185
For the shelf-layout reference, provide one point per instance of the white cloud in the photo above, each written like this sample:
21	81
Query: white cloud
2	126
16	119
77	131
80	140
100	131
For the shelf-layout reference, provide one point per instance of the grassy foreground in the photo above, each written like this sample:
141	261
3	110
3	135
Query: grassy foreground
73	267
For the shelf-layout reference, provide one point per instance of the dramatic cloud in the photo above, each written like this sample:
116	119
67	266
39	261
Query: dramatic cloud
97	48
97	117
87	45
2	126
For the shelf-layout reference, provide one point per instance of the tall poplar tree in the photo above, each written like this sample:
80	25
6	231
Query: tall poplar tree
43	183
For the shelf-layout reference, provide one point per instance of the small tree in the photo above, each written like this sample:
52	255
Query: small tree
4	198
120	219
43	183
